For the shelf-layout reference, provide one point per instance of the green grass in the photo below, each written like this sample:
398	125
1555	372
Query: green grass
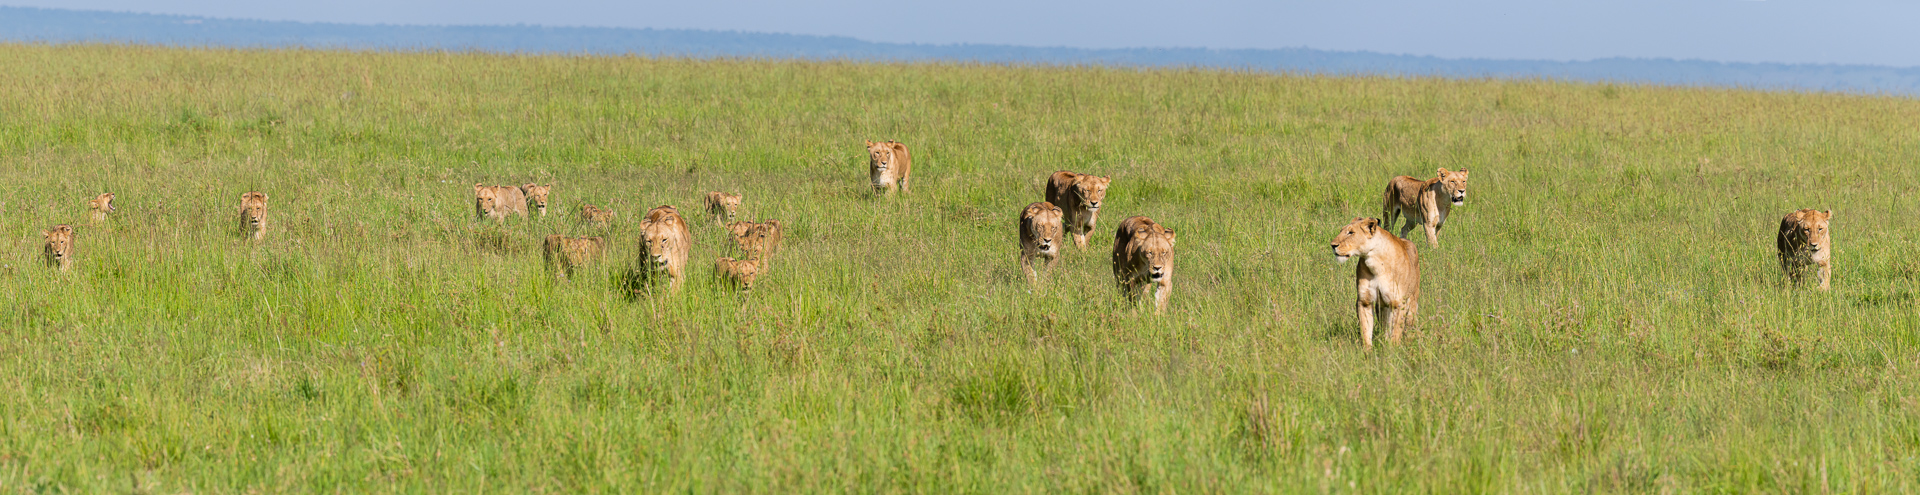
1605	315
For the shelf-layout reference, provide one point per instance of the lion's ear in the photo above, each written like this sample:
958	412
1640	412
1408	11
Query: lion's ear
869	144
1372	224
1463	170
1443	171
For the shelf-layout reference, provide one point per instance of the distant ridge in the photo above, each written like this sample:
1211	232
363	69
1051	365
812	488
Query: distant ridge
20	24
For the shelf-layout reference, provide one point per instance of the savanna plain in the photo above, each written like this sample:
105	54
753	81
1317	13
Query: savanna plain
1605	313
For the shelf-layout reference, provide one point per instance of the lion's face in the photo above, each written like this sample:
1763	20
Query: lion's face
1093	190
1044	219
537	195
1455	184
1816	226
59	243
1354	237
660	238
880	156
727	204
1156	247
483	200
103	202
253	209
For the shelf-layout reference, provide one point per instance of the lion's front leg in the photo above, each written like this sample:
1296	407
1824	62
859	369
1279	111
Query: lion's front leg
1826	272
1364	307
1161	291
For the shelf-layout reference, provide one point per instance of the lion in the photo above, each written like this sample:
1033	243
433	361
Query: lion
1387	277
1040	229
757	239
1143	260
99	207
1420	201
564	254
59	248
536	197
740	273
253	214
889	164
595	216
1079	197
722	206
665	241
1804	241
497	202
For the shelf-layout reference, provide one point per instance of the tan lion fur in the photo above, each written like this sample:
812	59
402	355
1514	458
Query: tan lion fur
1387	278
1803	242
1079	197
1423	202
889	165
1143	260
1040	231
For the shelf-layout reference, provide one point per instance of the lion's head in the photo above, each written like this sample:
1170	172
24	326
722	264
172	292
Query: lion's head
1092	189
1153	243
537	196
101	203
881	156
1354	237
1454	184
253	210
663	237
1044	222
59	249
1810	228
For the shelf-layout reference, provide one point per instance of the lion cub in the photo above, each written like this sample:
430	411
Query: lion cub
1421	202
99	207
59	248
253	214
536	197
1079	197
595	216
665	241
722	206
740	273
888	165
564	254
757	239
1803	242
1387	278
1143	260
1040	229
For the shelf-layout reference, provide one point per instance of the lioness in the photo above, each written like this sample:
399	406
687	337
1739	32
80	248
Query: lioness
757	239
253	214
1387	278
536	196
564	254
889	165
740	273
1040	228
1804	241
1079	197
595	216
1143	259
722	206
99	207
59	248
664	243
497	202
1421	202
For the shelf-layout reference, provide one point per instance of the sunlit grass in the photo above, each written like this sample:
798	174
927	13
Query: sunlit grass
1604	314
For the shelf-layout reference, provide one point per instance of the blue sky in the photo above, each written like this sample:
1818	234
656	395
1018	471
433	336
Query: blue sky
1879	32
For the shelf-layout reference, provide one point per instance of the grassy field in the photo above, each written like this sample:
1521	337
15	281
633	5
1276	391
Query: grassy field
1605	314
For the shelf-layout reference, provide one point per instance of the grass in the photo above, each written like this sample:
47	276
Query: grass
1604	316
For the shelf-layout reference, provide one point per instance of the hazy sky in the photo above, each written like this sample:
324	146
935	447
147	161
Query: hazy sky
1882	32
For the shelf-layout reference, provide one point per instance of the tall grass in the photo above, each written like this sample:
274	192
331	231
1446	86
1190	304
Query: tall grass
1604	313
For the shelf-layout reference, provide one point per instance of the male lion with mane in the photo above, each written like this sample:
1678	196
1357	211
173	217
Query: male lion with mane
1079	197
1387	278
1803	242
564	254
1143	261
665	241
888	164
1420	201
253	214
59	248
1039	237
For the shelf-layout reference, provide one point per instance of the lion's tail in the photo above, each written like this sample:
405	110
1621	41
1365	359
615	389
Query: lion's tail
1388	213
